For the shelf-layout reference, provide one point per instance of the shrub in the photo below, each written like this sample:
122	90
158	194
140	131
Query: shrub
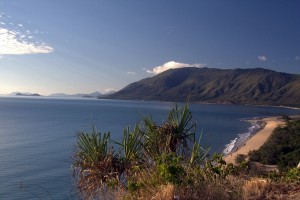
240	158
170	168
293	175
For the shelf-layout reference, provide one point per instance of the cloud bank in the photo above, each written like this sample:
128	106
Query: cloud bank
14	43
172	65
110	90
262	58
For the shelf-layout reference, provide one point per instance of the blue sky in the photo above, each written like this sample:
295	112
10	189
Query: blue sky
80	46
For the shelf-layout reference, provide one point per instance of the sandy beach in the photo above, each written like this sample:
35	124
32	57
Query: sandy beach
258	139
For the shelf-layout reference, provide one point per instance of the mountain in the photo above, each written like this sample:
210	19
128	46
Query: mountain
91	95
235	86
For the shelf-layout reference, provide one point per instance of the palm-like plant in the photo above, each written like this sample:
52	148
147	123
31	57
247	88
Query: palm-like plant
95	165
175	135
131	150
198	153
92	147
153	142
131	144
179	129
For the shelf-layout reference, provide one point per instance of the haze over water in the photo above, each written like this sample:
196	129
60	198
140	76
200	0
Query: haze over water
37	136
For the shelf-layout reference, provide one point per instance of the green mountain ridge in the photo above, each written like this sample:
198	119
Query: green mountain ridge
256	86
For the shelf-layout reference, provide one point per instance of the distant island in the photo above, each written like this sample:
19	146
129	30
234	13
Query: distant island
256	86
90	95
28	94
79	95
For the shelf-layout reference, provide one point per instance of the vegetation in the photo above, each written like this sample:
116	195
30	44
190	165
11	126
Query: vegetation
282	148
240	158
164	162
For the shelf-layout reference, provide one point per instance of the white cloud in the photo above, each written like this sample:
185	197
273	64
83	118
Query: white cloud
131	73
12	42
297	57
262	58
172	65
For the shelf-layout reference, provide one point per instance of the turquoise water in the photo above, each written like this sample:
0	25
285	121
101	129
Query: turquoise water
37	136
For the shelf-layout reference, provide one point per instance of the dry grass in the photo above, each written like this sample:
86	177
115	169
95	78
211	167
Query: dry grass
255	188
226	189
166	192
229	189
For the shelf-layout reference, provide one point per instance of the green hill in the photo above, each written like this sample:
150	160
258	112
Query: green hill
237	86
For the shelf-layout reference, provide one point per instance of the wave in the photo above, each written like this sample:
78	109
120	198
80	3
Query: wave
243	137
229	146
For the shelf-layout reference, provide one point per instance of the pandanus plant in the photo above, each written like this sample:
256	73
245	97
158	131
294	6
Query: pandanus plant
95	165
175	135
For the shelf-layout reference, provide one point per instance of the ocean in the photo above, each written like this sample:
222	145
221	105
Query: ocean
38	135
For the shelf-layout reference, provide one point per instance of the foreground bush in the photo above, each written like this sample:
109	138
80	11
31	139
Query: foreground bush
147	158
161	162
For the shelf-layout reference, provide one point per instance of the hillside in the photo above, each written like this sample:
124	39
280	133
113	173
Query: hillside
237	86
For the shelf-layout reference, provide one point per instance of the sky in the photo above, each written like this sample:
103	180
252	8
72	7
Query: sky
83	46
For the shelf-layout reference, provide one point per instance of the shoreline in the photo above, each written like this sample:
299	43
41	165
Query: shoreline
246	104
258	138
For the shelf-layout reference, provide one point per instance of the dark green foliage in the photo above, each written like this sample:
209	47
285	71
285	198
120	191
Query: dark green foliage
240	158
282	148
169	167
218	168
293	174
243	86
134	186
291	159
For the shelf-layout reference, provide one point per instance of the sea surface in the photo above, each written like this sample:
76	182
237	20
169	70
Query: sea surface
38	135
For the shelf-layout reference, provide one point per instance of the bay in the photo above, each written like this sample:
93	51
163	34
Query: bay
38	135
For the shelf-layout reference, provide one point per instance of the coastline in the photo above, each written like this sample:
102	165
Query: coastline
258	139
246	104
